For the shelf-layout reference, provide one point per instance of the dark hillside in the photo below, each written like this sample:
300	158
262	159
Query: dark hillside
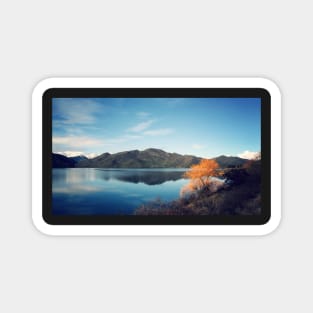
240	195
61	161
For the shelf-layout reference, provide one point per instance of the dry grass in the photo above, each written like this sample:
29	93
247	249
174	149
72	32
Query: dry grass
240	196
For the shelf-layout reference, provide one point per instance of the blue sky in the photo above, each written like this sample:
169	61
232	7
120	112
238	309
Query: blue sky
206	127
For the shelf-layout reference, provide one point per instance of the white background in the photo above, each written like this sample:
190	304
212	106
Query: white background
41	39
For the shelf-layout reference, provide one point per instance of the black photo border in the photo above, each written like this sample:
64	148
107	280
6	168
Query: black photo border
52	219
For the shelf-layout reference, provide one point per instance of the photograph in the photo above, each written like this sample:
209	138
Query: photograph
156	156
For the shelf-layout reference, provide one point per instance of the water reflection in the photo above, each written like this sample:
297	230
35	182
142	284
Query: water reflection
74	176
112	191
146	176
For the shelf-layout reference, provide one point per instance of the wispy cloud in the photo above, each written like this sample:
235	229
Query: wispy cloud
132	136
198	146
117	140
76	141
74	112
143	114
64	145
158	132
141	126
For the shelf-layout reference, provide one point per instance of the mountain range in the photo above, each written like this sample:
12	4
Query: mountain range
149	158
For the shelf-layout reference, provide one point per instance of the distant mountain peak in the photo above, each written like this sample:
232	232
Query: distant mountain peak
250	155
155	150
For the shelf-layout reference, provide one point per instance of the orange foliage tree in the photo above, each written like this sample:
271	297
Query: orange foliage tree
200	174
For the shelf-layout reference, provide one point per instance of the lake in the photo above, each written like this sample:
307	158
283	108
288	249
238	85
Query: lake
94	191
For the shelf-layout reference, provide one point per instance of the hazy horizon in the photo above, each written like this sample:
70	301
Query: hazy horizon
244	155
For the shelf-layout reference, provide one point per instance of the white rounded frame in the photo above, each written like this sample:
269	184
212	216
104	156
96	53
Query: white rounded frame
156	230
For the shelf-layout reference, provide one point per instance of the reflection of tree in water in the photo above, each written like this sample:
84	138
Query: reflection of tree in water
146	177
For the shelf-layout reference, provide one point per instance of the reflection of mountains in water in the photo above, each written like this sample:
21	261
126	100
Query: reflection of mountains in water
148	177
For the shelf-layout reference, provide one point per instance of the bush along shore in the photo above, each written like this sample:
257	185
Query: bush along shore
236	191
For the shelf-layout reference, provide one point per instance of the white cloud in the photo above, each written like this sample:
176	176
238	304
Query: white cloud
76	142
141	126
132	136
142	114
73	111
198	146
158	132
250	155
76	145
117	140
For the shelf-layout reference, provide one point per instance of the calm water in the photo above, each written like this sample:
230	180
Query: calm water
87	191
